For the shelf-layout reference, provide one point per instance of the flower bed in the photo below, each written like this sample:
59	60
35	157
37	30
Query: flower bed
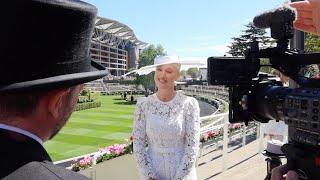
117	150
217	134
103	154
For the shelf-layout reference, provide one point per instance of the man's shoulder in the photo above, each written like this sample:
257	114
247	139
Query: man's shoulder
44	170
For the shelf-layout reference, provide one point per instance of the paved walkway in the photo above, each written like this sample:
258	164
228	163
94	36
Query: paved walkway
244	163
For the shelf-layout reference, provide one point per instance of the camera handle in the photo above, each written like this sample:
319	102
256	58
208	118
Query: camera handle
272	162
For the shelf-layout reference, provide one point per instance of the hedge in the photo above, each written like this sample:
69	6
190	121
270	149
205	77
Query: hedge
87	105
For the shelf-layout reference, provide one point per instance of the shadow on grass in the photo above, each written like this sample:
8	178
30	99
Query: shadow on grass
125	103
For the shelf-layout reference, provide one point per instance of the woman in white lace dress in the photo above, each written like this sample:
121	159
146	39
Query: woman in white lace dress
168	122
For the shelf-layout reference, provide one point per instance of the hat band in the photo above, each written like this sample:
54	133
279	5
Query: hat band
41	71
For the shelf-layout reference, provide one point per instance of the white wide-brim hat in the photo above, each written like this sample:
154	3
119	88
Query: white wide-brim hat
162	60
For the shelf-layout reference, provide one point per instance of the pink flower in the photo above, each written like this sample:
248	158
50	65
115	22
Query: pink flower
236	125
104	150
116	149
205	136
82	163
86	161
211	134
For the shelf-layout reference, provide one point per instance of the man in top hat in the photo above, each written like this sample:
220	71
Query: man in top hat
44	60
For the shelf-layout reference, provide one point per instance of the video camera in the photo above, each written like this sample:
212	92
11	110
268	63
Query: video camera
254	96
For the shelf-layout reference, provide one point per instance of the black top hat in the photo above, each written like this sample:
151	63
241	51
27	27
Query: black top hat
45	44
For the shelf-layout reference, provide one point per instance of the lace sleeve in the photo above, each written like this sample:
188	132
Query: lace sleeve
192	136
139	138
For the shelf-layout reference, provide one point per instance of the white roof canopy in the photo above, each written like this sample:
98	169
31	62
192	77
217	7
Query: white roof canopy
114	33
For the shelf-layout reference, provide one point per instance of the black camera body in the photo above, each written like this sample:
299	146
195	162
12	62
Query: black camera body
254	96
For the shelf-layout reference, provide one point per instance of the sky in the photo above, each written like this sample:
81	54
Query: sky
190	29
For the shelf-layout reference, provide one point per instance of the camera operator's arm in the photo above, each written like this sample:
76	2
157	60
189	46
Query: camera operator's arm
308	16
280	171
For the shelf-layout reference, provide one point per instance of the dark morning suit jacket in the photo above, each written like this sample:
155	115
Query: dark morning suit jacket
23	158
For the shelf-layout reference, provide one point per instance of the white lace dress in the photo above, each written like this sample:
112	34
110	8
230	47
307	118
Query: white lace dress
171	130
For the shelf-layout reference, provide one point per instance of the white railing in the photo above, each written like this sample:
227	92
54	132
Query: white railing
213	125
222	121
112	169
220	96
207	91
217	121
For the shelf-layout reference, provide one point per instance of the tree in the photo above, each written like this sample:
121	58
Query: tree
237	46
84	92
243	42
147	58
193	72
312	43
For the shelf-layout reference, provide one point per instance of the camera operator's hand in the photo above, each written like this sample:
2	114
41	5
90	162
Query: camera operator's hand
279	172
308	16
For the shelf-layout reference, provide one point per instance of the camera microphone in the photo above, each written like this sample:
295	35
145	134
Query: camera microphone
274	16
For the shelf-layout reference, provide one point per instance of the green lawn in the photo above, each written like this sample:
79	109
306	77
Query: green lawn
88	130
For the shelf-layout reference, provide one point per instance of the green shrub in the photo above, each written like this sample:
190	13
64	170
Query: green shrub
82	99
84	92
87	105
94	95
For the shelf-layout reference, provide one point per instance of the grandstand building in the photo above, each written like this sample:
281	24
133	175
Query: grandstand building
115	46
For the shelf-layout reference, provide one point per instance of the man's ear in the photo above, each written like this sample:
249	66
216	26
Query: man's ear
55	99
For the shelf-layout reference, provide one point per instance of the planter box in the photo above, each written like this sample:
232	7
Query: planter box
123	167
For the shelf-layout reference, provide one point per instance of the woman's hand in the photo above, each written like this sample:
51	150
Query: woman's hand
308	16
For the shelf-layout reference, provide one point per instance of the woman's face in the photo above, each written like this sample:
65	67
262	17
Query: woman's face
165	76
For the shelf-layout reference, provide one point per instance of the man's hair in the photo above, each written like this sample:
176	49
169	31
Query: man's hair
19	104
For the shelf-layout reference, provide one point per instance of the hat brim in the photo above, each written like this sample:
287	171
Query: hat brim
96	71
150	68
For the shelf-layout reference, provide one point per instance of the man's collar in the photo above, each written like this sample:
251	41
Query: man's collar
21	131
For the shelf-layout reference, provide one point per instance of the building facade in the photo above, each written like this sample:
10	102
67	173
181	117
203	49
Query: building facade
115	46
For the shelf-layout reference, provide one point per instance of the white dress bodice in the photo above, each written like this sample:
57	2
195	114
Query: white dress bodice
171	130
